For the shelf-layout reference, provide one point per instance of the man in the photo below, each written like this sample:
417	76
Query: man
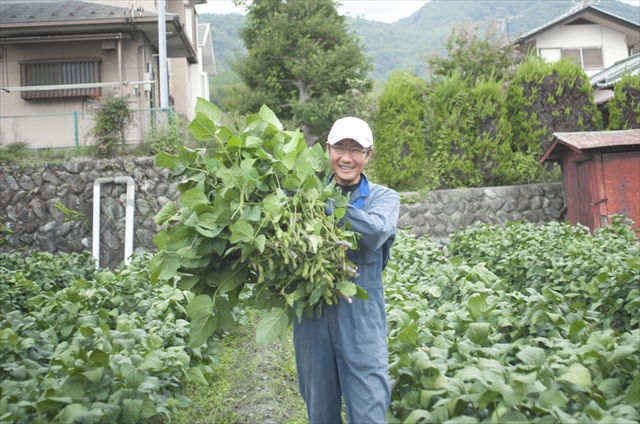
344	352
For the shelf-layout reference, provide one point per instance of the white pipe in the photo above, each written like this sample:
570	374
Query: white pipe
162	51
130	207
70	86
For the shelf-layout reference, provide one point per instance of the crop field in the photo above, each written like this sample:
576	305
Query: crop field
514	324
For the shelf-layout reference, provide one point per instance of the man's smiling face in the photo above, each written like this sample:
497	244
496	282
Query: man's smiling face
347	166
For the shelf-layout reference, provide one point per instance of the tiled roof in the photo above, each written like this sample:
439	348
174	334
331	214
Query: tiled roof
16	12
577	10
613	74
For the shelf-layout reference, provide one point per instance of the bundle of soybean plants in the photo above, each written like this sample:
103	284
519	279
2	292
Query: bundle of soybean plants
250	228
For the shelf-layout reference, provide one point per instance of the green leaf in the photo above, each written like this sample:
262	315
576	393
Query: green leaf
167	211
208	109
477	306
229	278
132	375
409	334
253	141
419	415
551	398
94	375
347	288
273	325
577	374
192	198
633	392
576	327
621	353
132	410
532	356
259	242
196	377
270	117
165	160
513	416
164	266
202	127
70	413
241	231
478	331
74	387
226	319
272	204
151	362
610	388
203	320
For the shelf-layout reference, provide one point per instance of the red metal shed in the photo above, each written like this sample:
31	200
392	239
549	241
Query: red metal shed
600	175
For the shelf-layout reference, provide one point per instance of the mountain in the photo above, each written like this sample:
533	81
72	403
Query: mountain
402	44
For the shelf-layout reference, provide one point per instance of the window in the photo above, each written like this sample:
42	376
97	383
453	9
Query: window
60	72
587	57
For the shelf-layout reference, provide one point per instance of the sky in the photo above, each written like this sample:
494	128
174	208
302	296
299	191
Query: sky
375	10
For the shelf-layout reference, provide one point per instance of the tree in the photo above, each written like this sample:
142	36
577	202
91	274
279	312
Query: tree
300	60
475	54
464	141
399	140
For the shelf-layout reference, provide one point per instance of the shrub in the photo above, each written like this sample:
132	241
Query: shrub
624	108
466	144
110	124
399	145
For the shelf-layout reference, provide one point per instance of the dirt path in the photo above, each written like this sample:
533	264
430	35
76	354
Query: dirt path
254	384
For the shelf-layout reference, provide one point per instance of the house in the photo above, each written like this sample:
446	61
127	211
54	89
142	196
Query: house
596	39
600	175
58	56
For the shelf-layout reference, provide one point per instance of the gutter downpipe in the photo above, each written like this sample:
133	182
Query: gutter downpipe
130	205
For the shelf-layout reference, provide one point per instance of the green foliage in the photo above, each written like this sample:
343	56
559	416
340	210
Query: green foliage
466	145
515	325
300	57
473	55
253	216
219	86
72	215
529	119
13	153
81	346
624	108
399	145
169	139
110	122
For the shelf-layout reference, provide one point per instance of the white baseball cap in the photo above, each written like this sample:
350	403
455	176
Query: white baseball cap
353	128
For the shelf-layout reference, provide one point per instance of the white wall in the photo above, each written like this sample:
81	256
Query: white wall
613	43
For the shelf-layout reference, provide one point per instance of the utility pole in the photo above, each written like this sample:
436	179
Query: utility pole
162	47
506	21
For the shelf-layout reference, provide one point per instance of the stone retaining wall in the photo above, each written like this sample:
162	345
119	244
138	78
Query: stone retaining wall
49	207
442	212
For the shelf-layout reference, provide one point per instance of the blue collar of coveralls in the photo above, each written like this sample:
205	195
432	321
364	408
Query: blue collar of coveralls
357	200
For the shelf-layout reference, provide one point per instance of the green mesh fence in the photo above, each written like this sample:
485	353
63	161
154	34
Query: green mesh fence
64	130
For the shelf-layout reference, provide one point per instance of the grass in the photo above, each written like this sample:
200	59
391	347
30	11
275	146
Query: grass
252	384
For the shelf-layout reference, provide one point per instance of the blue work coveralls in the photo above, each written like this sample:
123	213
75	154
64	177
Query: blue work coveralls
344	352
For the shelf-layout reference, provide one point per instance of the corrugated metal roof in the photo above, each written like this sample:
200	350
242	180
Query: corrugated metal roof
613	74
579	141
598	139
